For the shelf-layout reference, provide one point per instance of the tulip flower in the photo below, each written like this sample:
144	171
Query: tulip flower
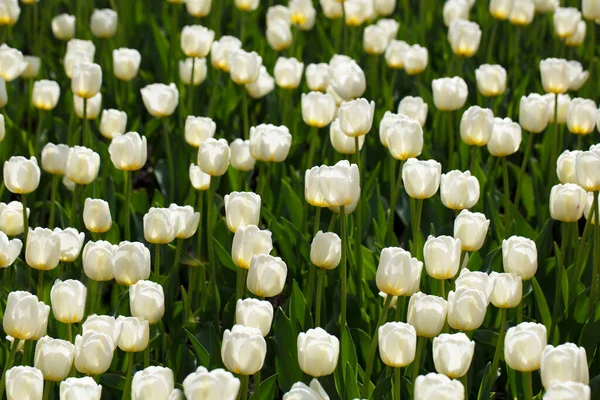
312	187
577	76
86	80
414	108
395	53
128	152
240	157
519	255
45	94
25	317
266	275
326	250
12	63
54	158
159	99
452	354
506	138
356	12
398	274
96	215
103	324
587	173
464	37
475	280
131	263
581	116
217	383
522	13
567	202
113	123
299	390
198	129
97	258
564	363
567	391
9	250
154	382
82	165
68	300
213	156
397	344
471	228
459	190
566	166
318	352
534	113
566	20
288	72
192	69
244	67
317	76
421	179
76	57
416	59
341	142
346	78
508	290
87	109
21	176
270	143
303	14
198	179
449	94
404	138
103	23
42	250
318	109
54	358
147	300
442	256
523	346
187	220
253	313
198	8
247	5
78	388
340	184
491	80
466	308
384	7
545	6
241	209
455	10
375	40
126	63
63	26
389	121
262	86
243	350
555	78
578	37
24	383
438	386
221	49
501	9
427	314
390	26
476	126
563	105
71	242
79	45
11	218
279	13
134	335
196	40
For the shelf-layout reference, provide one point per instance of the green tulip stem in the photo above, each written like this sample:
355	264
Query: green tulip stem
500	343
47	389
506	196
178	248
25	223
127	194
256	394
320	278
526	156
565	238
596	271
343	273
38	133
416	364
465	382
359	231
69	333
127	387
147	356
240	286
520	312
212	290
244	387
85	140
580	251
171	193
442	288
373	347
417	212
312	269
156	262
74	199
54	190
265	176
9	363
397	381
395	184
313	137
473	163
400	308
201	279
191	89
527	387
40	288
246	119
451	134
554	154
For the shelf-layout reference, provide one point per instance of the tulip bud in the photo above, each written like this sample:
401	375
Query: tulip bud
42	251
134	335
566	20
312	187
475	280
253	313
455	10
303	14
438	386
12	63
449	94
241	159
476	126
196	40
198	179
68	300
152	383
567	391
244	67
80	388
347	78
555	77
471	228
404	138
54	358
159	99
266	275
103	324
395	53
262	86
198	129
340	184
213	156
317	76
567	202
279	13
581	116
113	123
566	166
341	142
96	215
508	290
160	225
398	274
491	80
587	167
24	383
523	346
459	190
564	363
241	209
25	317
288	72
131	263
578	37
318	352
414	108
326	250
128	152
415	60
86	80
519	255
243	350
54	158
442	256
375	40
126	63
147	300
221	49
97	260
45	94
427	313
199	67
397	344
103	23
464	37
93	352
198	8
187	220
85	46
9	250
82	165
270	143
318	109
21	176
466	308
11	218
533	113
452	354
421	179
92	106
506	138
63	26
217	384
522	12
